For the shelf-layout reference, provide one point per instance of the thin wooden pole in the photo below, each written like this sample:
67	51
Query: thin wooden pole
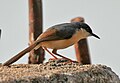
35	29
0	33
81	48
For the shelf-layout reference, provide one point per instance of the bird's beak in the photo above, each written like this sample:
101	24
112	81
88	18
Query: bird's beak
92	34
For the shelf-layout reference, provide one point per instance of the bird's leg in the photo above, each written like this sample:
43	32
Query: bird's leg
55	52
50	53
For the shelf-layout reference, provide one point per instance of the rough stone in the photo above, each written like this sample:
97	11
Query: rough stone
59	71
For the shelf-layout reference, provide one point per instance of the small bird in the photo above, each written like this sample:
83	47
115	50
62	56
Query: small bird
58	37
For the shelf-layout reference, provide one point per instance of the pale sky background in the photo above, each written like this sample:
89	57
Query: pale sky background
102	15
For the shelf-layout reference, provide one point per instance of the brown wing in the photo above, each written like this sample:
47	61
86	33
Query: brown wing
57	32
48	35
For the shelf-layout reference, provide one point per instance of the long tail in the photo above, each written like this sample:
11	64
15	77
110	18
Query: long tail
19	55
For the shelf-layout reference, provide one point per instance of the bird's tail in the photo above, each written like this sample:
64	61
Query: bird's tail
19	55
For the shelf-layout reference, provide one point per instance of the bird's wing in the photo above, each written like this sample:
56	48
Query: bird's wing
58	32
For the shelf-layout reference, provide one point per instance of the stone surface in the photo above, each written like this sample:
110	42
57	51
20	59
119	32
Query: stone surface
59	71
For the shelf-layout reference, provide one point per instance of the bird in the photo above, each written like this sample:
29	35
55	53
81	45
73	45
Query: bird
57	37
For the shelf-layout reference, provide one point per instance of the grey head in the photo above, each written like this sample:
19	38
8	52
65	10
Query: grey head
85	28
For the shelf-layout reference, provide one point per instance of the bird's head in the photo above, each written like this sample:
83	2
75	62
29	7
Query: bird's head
86	30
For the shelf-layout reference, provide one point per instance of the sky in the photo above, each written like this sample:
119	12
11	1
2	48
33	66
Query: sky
103	16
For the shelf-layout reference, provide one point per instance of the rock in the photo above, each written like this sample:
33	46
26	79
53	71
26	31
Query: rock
57	72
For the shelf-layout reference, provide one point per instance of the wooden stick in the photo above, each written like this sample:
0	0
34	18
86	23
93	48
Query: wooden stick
35	29
81	48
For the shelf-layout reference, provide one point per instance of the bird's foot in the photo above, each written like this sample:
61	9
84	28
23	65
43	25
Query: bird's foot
53	58
73	61
63	60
